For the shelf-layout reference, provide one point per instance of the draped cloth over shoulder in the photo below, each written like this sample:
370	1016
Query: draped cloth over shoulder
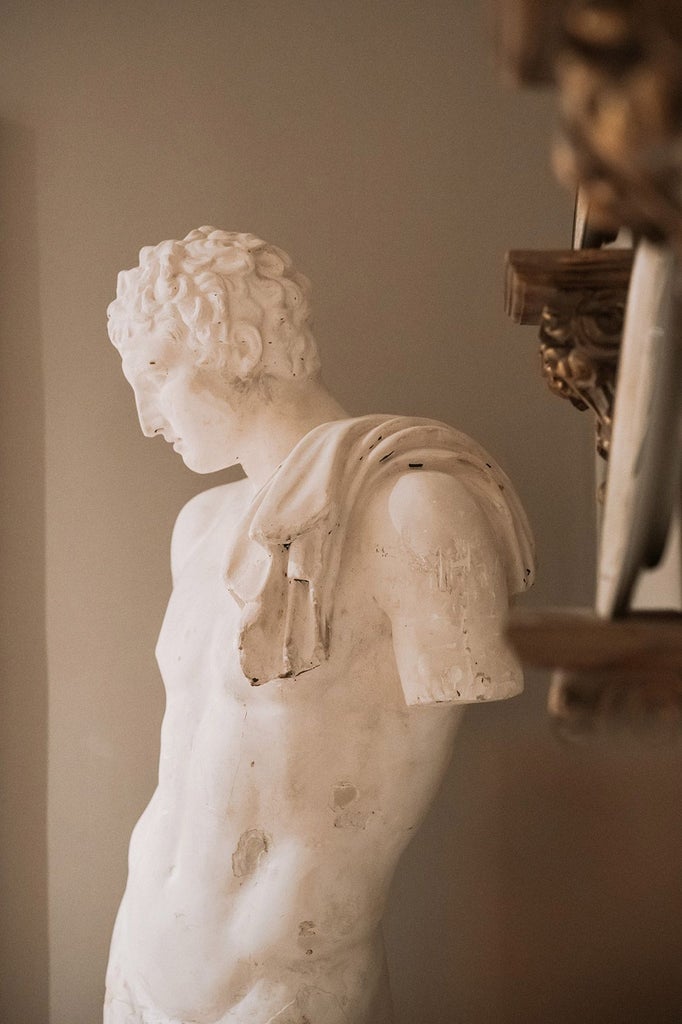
284	561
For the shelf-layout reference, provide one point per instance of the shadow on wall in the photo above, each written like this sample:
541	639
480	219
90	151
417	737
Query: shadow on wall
23	661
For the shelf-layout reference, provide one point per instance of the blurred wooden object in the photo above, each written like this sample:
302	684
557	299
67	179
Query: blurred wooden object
576	640
618	676
528	38
617	68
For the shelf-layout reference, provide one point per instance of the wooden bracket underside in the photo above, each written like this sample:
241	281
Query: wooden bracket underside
615	676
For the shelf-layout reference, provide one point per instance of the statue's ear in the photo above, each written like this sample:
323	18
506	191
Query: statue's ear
247	348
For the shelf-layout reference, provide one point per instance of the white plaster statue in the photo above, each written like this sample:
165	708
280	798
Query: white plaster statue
330	616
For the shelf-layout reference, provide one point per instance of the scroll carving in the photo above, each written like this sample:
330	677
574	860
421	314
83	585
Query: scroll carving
579	343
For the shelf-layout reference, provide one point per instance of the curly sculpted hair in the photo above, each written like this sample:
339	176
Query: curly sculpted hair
202	288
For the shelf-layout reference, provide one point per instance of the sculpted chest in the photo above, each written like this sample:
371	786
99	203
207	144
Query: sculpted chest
198	647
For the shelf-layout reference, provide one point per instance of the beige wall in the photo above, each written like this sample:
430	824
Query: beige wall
374	142
23	667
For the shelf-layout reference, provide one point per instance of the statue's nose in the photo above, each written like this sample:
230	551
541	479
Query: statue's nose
150	421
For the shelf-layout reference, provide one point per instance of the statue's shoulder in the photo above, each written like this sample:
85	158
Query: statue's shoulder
428	485
420	512
225	504
440	571
428	506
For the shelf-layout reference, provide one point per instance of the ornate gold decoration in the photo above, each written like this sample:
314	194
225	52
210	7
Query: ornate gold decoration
619	74
579	343
617	65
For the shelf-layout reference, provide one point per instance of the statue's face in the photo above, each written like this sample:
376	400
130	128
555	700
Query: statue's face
187	404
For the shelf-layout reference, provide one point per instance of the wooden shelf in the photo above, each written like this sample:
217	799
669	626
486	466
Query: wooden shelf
646	644
536	280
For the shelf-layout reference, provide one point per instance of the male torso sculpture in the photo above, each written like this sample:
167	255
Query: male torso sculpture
330	616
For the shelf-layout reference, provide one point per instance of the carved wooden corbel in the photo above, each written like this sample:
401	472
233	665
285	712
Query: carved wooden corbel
578	300
579	352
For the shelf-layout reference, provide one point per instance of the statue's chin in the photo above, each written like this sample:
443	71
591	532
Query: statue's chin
201	463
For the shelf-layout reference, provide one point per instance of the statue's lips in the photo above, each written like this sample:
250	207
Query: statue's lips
168	438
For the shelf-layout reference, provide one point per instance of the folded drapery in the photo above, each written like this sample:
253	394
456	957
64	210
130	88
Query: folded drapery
284	560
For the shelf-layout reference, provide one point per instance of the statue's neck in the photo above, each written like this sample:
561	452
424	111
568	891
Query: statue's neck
290	412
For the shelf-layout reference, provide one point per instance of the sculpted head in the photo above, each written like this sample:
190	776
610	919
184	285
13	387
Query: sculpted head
207	327
233	300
